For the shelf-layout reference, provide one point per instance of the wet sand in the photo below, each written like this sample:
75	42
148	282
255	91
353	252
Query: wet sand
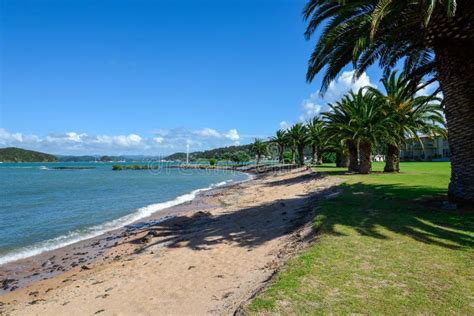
20	273
208	256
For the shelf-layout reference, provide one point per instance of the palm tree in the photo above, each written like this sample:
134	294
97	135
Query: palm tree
412	113
433	38
292	144
259	147
336	122
368	123
298	135
340	148
280	139
315	134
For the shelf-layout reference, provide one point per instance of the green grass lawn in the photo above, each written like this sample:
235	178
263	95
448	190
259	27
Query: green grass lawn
384	247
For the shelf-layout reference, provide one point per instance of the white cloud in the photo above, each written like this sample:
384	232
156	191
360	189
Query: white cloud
208	132
232	135
310	109
284	125
163	142
429	89
69	137
120	140
133	138
75	136
343	84
158	139
7	137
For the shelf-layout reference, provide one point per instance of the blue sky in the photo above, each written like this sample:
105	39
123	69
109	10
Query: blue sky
122	77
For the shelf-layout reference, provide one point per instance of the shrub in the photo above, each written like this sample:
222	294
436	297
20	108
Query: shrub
329	157
135	167
287	157
240	156
213	161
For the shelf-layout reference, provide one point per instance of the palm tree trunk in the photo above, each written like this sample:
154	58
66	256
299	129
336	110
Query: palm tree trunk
281	158
258	159
353	156
455	66
300	155
293	155
392	160
314	154
365	157
342	161
319	161
338	159
397	161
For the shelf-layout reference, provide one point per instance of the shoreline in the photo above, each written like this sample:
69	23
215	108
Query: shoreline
250	170
21	272
209	258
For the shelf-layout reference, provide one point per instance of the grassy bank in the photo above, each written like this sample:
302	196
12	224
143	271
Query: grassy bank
384	246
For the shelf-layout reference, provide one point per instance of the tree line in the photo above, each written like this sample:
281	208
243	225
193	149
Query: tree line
361	120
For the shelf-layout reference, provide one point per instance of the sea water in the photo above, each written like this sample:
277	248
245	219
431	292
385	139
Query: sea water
43	208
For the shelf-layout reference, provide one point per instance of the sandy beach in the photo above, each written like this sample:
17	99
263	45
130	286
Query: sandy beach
209	256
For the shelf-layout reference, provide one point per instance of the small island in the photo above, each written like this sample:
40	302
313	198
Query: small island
134	167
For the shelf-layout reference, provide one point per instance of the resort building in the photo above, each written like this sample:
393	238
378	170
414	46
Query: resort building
429	149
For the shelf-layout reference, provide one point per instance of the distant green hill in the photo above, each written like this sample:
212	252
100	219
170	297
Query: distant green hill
97	158
218	153
62	158
12	154
226	153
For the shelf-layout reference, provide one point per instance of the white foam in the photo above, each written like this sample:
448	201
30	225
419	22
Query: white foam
97	230
27	167
221	183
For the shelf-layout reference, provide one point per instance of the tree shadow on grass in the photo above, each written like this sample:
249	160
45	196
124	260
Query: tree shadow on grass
332	171
400	209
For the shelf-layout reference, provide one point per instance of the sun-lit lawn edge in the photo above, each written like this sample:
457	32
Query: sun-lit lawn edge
385	247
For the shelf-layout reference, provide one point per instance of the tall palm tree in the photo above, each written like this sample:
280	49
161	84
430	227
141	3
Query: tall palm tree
259	147
298	135
368	123
412	114
292	145
336	122
339	147
432	37
280	139
315	136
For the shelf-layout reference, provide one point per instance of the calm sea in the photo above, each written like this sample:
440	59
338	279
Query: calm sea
42	208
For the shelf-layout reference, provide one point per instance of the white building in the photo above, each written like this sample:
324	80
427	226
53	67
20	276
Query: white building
430	148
